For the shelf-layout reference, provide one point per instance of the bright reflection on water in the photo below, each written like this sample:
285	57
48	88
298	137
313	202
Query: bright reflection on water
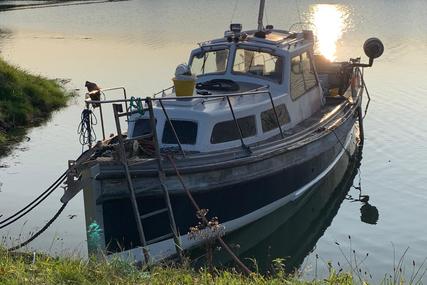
330	22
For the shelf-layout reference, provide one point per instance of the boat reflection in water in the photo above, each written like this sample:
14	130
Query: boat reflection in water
291	232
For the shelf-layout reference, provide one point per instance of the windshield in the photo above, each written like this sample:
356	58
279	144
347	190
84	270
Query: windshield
258	63
210	62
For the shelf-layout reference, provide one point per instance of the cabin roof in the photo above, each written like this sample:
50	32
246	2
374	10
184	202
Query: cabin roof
278	38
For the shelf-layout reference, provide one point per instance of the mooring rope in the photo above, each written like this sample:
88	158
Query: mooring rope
341	143
205	220
30	206
42	230
39	199
368	95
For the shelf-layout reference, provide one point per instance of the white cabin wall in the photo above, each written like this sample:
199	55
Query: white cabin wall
305	106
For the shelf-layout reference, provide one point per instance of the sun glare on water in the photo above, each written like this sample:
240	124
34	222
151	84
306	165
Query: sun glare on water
329	25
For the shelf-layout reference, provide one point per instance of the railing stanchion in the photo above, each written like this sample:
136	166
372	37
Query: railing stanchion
172	127
126	102
244	146
102	121
275	114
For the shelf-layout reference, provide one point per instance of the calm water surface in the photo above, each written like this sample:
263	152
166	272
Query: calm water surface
138	44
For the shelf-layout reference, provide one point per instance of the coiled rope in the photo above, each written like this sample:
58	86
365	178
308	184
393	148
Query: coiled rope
136	104
85	129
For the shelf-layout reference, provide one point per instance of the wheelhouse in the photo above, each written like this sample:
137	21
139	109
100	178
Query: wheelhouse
250	88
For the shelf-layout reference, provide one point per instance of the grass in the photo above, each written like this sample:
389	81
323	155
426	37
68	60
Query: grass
41	269
25	100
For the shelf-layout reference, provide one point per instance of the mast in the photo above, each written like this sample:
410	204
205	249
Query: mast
261	15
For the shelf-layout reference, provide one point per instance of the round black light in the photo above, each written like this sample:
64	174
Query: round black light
373	48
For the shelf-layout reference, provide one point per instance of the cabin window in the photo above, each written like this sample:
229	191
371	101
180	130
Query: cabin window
142	127
302	75
227	131
210	62
185	130
308	71
258	63
269	121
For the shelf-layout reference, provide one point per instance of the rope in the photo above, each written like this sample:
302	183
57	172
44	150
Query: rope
30	206
34	236
342	145
85	128
136	103
369	97
21	213
205	220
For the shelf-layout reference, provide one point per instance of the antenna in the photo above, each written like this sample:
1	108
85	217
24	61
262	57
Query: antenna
234	10
299	12
261	15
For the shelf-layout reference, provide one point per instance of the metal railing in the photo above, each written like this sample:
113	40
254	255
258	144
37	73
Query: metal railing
101	115
148	106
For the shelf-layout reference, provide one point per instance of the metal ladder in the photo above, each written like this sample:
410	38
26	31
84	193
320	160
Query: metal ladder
118	112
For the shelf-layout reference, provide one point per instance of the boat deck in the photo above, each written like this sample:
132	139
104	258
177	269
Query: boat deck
332	107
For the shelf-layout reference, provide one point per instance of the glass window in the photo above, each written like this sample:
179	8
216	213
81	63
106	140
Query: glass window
308	72
302	75
258	63
210	62
185	130
268	119
142	127
227	131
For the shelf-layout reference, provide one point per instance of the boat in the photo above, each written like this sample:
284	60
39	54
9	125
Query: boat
266	122
291	232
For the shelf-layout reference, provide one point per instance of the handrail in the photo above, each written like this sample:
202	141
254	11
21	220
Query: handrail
247	93
116	88
163	91
244	146
102	91
172	127
275	114
148	101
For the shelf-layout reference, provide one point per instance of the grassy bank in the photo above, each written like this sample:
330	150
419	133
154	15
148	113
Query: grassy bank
25	100
25	269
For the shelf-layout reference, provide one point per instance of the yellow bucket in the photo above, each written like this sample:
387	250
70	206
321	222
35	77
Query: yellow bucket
184	87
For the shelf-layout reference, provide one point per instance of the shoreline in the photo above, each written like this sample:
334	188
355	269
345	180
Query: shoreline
34	268
26	101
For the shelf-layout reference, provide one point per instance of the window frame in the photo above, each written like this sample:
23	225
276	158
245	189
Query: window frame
275	126
302	74
212	49
167	125
261	50
253	117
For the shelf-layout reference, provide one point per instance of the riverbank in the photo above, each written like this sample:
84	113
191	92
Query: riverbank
39	269
26	100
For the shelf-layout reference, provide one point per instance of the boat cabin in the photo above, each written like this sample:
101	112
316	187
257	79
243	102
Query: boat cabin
271	84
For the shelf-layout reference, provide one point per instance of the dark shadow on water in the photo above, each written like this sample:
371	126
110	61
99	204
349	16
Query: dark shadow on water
291	232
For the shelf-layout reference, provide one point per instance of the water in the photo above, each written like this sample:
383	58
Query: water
138	44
